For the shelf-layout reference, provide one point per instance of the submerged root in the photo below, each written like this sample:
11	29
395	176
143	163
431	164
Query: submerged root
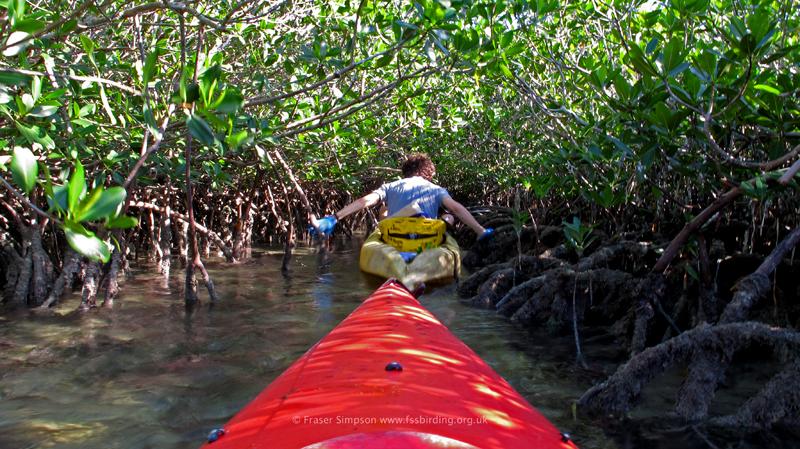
779	400
622	389
547	296
500	281
469	287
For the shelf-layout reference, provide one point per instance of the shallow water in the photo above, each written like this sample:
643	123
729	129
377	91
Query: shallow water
149	374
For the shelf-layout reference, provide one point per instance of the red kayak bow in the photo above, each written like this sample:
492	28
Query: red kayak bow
389	376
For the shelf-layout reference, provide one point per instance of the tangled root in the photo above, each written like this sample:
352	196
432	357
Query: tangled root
622	389
541	290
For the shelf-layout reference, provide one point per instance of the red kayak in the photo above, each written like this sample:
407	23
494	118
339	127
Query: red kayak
389	376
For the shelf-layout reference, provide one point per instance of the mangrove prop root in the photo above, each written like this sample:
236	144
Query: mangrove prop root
693	226
754	287
538	299
70	267
12	275
651	289
470	286
708	368
751	289
166	243
518	295
91	283
43	270
181	231
200	228
212	292
539	305
23	281
697	390
621	391
498	283
112	289
190	286
778	400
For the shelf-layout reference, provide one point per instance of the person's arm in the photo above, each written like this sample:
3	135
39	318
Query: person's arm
359	204
464	215
326	224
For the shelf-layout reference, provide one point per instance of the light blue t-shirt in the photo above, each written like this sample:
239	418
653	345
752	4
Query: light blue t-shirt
399	194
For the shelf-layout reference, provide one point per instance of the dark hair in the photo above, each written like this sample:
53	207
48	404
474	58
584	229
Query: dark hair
418	164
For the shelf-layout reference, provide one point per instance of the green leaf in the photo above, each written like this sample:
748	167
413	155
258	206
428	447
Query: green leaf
652	45
672	57
17	43
43	111
24	168
28	25
506	71
515	49
149	67
643	66
238	139
506	39
692	272
648	158
766	88
384	60
88	245
707	62
68	26
99	203
36	89
622	87
88	46
681	67
230	102
14	79
406	25
106	106
32	135
621	145
60	194
150	120
77	186
200	130
123	222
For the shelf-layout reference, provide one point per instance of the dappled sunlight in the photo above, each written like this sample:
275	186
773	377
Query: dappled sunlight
341	387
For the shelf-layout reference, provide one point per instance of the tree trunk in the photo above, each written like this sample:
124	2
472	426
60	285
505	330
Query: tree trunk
91	283
12	275
179	231
287	250
112	289
151	232
20	297
165	243
70	267
238	235
43	270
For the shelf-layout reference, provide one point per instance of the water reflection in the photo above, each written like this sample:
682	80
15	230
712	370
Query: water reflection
151	373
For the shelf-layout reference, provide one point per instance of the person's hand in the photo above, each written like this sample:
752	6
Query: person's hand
487	236
325	226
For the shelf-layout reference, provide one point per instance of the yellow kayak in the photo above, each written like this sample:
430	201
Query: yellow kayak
442	264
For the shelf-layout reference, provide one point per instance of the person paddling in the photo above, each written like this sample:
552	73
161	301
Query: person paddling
415	191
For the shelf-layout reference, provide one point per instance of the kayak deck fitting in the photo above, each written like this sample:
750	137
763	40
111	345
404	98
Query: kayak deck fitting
389	376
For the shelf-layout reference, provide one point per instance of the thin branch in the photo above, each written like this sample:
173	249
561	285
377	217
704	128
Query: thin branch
74	77
28	203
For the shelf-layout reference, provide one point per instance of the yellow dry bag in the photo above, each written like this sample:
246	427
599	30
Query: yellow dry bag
410	234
